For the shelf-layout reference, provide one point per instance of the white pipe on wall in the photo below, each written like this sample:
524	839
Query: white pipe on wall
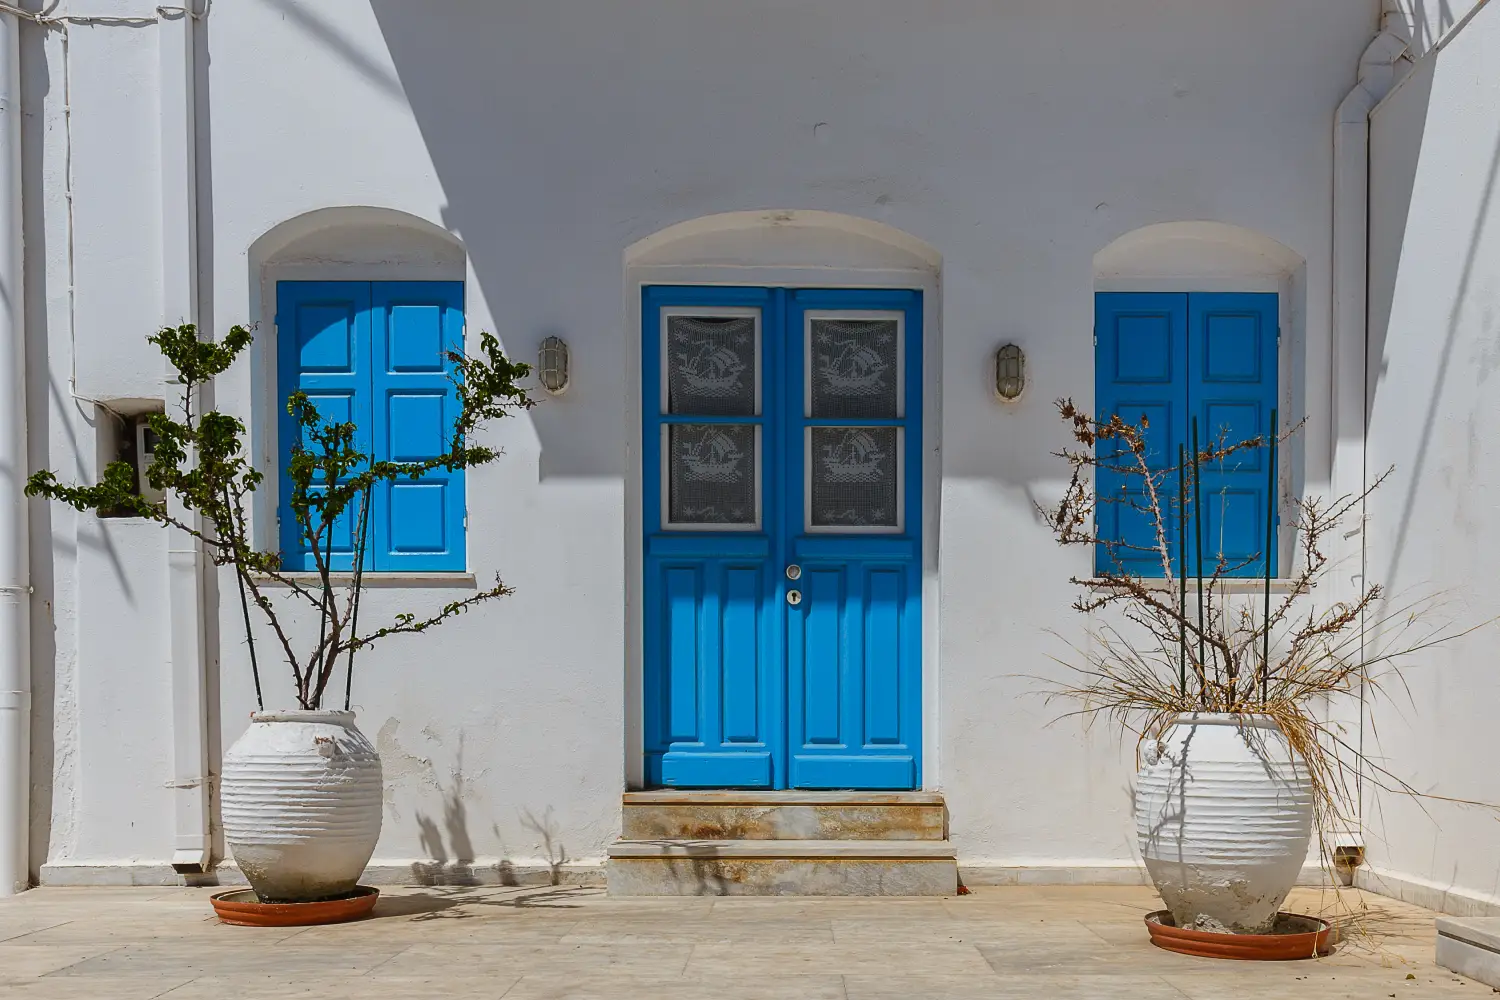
185	559
15	589
1351	233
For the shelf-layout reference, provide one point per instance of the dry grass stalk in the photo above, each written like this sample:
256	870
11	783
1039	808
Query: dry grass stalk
1128	671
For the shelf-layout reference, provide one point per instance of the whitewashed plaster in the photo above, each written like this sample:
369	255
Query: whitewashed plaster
1435	319
1016	142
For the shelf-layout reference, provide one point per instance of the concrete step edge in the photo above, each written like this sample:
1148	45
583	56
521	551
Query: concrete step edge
714	797
1482	932
835	850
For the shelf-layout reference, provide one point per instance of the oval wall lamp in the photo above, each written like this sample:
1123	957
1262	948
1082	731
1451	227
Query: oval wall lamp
1010	372
552	365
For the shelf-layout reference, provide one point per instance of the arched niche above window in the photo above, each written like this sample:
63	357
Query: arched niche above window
1195	256
378	243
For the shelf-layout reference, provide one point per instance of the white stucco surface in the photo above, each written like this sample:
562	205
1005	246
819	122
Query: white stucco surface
1017	141
1435	257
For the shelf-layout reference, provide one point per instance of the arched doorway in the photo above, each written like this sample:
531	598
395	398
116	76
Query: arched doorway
783	508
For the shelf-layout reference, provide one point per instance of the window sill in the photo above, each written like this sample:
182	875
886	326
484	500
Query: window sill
383	581
1235	585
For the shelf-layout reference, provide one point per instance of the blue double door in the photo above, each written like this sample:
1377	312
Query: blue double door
782	465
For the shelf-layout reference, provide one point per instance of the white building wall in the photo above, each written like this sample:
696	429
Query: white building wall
1431	21
1435	296
1016	140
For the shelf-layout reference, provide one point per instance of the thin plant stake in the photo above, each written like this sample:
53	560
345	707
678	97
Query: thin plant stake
260	702
1182	568
359	576
1265	656
1198	546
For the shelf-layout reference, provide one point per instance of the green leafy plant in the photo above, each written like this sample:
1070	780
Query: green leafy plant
201	465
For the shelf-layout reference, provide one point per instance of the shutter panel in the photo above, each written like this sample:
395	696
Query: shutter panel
1140	371
1232	385
418	524
323	348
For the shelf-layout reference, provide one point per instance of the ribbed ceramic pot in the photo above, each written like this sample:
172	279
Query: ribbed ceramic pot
301	800
1224	813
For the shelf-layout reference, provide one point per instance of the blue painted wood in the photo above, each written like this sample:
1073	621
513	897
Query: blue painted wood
741	688
878	547
704	545
374	354
1232	388
419	525
713	702
1140	373
868	583
687	769
893	773
684	610
323	349
1168	357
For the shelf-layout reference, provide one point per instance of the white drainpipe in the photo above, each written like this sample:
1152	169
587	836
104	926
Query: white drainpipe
15	588
1351	232
185	559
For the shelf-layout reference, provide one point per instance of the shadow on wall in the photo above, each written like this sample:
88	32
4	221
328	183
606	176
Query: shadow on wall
1393	178
50	406
530	279
453	858
1432	19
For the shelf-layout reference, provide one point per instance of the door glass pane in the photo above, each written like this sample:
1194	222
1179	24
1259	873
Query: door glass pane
854	477
854	368
712	474
711	366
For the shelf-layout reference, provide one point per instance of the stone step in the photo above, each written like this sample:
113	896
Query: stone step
1470	946
782	868
718	815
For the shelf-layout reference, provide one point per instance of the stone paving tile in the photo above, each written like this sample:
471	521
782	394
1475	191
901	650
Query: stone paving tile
853	932
445	930
426	959
227	958
1035	956
201	927
21	960
458	943
625	987
832	908
16	925
724	930
347	988
890	957
79	988
995	987
1322	983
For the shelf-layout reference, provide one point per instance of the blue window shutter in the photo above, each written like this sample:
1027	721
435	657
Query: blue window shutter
1232	388
323	348
1140	371
418	525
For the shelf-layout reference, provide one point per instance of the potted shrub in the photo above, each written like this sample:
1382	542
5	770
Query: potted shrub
301	789
1221	685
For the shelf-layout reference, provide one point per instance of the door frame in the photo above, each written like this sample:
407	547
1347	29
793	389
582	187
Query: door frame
923	279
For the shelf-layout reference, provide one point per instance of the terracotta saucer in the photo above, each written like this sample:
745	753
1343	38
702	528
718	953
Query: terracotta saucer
1300	937
239	906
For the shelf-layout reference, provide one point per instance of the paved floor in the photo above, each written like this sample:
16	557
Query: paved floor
530	944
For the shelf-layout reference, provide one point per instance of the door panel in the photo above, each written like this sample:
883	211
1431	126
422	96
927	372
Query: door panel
782	512
854	527
713	702
1232	389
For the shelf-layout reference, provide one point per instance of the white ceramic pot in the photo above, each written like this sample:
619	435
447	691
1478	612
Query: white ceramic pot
1224	813
301	799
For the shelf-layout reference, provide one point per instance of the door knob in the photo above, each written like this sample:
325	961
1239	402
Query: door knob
794	572
794	597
